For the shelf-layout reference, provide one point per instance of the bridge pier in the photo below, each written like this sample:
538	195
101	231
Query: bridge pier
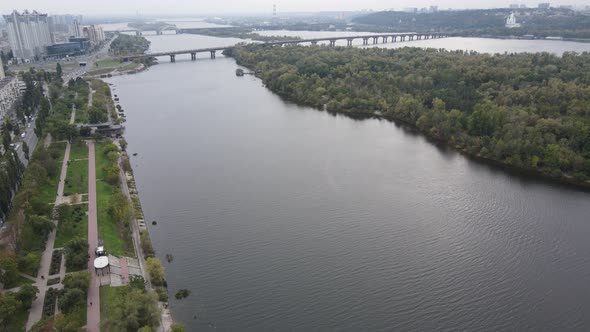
172	58
138	33
212	54
365	41
349	41
385	38
375	40
193	56
332	42
314	42
393	39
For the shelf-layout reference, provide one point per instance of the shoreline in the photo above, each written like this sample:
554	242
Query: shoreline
515	170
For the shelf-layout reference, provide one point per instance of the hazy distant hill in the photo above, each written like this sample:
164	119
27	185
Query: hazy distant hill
542	23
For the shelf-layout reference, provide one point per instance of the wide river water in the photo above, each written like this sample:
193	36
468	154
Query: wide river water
282	217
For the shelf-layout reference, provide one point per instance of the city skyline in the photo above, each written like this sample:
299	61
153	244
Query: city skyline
184	7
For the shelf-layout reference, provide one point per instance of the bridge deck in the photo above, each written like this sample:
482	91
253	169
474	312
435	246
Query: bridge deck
295	41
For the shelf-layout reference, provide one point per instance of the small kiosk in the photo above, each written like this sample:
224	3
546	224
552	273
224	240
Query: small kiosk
101	265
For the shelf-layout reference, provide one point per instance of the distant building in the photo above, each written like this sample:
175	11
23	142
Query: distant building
64	49
83	41
411	10
433	9
514	6
28	33
2	74
62	23
94	33
544	5
523	6
9	94
511	22
75	29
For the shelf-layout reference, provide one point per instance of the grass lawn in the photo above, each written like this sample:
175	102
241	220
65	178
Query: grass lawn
130	66
77	178
69	227
117	239
100	71
79	150
108	63
108	229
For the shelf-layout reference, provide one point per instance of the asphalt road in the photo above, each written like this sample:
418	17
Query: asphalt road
31	140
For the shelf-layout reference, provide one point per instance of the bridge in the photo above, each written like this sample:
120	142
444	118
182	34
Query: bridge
139	32
367	39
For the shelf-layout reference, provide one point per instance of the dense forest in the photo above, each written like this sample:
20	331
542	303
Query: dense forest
529	111
540	23
128	45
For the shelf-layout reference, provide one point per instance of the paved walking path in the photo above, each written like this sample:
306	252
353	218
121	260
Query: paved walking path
36	312
93	313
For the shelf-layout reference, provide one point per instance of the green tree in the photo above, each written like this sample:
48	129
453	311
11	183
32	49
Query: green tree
133	310
8	270
156	271
76	254
26	295
26	150
58	71
71	299
9	306
176	327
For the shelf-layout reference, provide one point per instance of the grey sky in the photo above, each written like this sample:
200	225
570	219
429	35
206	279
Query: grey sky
199	7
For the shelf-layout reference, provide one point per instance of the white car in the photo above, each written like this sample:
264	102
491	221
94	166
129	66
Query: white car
23	135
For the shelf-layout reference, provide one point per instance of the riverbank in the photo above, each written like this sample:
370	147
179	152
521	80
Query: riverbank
140	241
482	128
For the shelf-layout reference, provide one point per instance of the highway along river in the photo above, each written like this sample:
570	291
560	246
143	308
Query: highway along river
282	217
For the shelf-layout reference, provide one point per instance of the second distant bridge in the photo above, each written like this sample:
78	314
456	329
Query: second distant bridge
367	39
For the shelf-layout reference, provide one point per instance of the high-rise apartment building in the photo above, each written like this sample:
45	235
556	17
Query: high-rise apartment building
94	33
2	74
28	33
75	29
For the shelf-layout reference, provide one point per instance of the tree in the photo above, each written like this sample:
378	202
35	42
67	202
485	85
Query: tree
70	299
132	310
79	280
156	271
58	71
9	306
29	263
176	327
8	270
119	208
137	282
76	254
26	150
26	295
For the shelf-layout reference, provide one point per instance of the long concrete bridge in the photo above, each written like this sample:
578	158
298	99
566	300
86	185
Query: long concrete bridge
367	39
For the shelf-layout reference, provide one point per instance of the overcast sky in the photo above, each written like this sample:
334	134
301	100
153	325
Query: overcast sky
200	7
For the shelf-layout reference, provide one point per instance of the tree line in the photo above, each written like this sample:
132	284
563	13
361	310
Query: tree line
530	111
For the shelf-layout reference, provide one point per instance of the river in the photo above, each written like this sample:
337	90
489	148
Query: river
282	217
